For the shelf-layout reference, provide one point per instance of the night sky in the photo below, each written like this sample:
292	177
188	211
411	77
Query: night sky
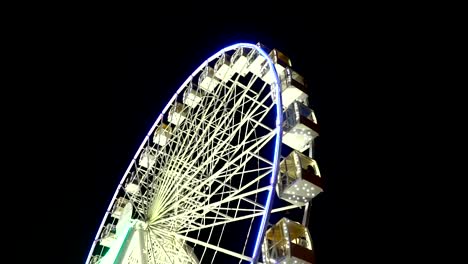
119	76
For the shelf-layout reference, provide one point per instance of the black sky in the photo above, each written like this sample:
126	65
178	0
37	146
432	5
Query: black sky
116	77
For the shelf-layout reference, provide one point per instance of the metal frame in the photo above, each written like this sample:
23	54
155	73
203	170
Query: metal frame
218	168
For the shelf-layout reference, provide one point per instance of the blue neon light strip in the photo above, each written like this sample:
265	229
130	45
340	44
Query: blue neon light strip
274	173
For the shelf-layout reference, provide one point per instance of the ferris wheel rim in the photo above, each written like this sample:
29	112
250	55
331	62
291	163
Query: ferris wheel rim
276	159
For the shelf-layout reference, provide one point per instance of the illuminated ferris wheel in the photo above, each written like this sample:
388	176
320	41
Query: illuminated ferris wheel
230	152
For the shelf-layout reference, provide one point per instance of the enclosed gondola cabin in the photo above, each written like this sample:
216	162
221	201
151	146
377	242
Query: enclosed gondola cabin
287	242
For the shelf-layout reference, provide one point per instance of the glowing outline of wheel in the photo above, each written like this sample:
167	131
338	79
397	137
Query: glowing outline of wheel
278	135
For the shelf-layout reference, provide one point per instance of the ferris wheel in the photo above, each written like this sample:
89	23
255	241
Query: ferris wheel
231	151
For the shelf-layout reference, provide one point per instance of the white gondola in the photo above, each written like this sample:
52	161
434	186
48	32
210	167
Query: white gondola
256	60
148	157
207	80
280	61
239	61
299	180
222	68
162	134
177	113
108	235
293	88
300	126
132	185
192	96
118	207
287	242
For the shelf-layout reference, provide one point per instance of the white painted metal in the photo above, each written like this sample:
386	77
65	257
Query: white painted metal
213	169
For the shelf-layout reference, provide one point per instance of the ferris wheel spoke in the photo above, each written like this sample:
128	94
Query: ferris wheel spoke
241	166
244	198
241	218
267	137
166	191
214	205
251	210
208	179
236	190
213	247
218	127
257	144
239	191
